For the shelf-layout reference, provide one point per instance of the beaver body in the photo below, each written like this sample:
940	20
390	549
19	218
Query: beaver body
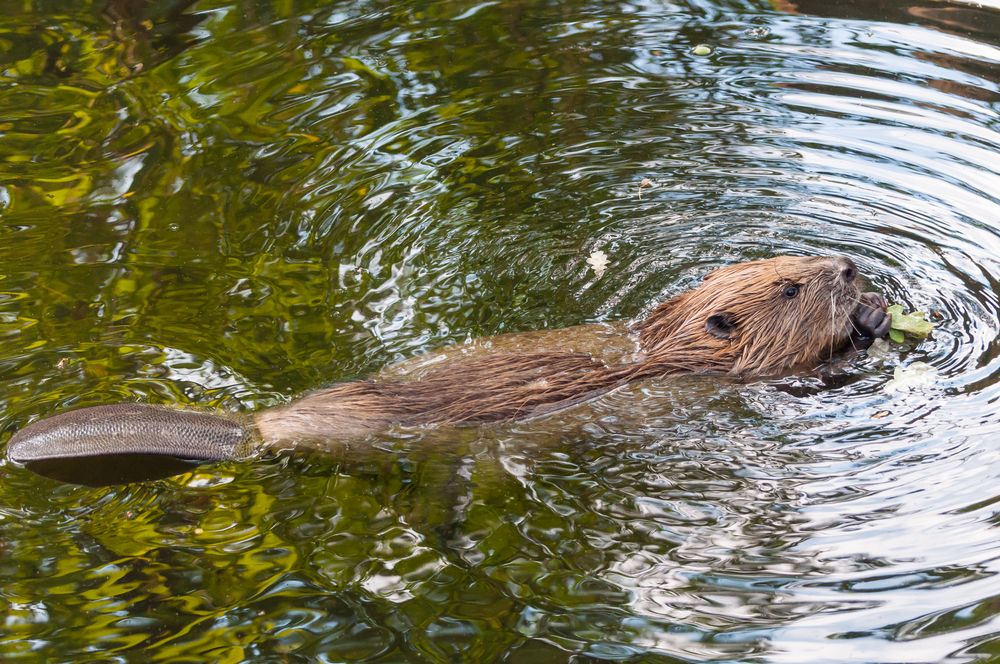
764	317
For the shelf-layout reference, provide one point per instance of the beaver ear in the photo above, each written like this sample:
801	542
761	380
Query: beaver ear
721	325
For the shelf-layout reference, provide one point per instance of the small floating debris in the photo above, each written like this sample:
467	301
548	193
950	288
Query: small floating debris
645	184
598	261
914	324
880	350
702	49
757	32
917	374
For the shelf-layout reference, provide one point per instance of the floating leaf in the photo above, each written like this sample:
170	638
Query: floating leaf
914	324
880	350
598	260
918	374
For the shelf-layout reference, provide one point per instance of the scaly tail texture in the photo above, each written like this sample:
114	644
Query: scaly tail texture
130	429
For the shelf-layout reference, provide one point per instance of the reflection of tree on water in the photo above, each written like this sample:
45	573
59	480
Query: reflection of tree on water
979	23
965	19
117	39
150	32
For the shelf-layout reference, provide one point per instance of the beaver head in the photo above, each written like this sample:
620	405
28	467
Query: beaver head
761	317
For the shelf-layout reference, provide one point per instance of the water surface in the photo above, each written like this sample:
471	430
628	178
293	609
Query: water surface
226	204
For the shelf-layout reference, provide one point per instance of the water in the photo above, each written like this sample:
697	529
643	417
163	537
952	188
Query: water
229	204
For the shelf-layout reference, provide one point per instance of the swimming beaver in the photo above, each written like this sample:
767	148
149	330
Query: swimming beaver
758	318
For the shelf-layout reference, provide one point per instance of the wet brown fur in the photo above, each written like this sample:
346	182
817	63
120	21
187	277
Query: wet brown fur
768	333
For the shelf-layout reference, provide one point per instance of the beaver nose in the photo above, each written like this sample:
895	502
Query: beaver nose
848	270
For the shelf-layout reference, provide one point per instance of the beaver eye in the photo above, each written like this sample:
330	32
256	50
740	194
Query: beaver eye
791	291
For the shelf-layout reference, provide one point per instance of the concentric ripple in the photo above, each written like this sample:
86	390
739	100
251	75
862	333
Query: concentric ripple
227	204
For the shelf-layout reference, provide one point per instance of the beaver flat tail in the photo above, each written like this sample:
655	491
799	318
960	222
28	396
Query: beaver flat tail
130	429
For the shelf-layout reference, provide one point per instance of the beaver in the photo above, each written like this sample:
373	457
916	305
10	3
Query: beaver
764	317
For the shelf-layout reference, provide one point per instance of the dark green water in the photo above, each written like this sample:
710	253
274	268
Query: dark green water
226	205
